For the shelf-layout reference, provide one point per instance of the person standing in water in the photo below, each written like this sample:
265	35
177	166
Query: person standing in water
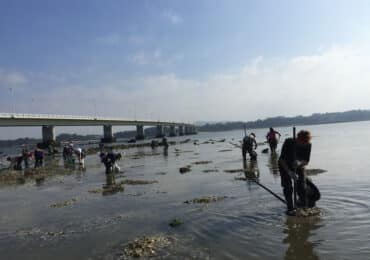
295	155
272	139
249	145
39	157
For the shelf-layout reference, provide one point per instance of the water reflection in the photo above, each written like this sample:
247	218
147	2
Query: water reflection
298	231
111	187
273	165
165	151
251	171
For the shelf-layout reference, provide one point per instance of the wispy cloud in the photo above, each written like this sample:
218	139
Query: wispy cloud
12	78
172	17
155	57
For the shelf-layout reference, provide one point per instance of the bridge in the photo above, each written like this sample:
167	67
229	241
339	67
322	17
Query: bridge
49	122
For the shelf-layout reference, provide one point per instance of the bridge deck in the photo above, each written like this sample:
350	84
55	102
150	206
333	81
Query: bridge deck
8	119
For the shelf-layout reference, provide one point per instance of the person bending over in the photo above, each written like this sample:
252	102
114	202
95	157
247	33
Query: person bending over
295	155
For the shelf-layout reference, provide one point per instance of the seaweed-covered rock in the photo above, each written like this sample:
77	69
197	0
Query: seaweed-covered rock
210	170
307	212
202	162
205	199
185	169
138	182
145	246
63	203
234	170
225	150
176	222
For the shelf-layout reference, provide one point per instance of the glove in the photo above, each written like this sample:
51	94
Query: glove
293	175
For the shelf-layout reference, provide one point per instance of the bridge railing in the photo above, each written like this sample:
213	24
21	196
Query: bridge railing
44	116
75	117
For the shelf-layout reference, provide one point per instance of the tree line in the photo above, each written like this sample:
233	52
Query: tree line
317	118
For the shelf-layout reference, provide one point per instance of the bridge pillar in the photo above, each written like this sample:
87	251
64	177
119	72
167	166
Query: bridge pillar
48	134
172	131
159	133
140	132
108	134
187	130
193	130
181	130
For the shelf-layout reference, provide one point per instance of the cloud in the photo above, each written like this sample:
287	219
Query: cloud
155	57
172	17
335	79
12	78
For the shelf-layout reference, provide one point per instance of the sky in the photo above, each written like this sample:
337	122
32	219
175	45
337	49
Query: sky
190	60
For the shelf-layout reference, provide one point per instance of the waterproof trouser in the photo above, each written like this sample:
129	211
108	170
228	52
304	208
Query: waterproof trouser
273	144
250	151
287	184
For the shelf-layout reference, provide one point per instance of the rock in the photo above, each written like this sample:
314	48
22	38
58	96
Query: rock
176	222
205	199
146	246
137	182
202	162
234	170
307	212
64	203
210	170
185	169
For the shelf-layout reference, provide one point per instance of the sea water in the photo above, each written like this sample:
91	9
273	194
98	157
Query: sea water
248	223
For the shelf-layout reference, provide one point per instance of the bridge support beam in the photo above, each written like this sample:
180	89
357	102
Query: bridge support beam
172	131
108	134
181	130
48	134
140	132
159	133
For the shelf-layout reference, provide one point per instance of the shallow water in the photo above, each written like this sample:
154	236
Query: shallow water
248	224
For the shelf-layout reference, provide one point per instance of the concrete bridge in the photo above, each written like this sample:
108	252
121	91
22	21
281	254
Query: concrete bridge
49	122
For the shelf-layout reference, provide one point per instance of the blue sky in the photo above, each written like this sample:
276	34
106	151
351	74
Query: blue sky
126	57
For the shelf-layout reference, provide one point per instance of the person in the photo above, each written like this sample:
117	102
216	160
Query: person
80	154
295	155
39	157
272	139
154	144
110	161
26	155
164	142
249	145
68	152
15	162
